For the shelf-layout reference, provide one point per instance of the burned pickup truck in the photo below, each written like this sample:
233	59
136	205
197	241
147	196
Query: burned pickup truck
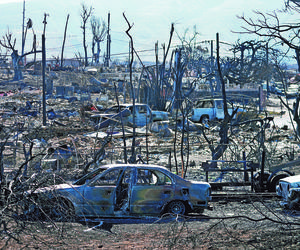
289	189
122	190
206	110
139	115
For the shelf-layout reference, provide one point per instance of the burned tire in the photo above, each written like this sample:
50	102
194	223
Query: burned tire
204	119
274	182
256	182
176	207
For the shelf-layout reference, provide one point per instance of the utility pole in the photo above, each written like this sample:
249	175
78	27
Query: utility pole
44	69
24	31
220	76
44	78
107	58
63	45
23	25
211	65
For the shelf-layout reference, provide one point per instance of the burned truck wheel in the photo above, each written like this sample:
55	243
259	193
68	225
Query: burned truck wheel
257	183
204	119
176	207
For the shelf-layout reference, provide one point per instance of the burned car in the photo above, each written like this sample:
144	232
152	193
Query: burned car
289	189
124	190
125	113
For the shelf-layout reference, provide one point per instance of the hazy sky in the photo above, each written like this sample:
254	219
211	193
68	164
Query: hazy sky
151	21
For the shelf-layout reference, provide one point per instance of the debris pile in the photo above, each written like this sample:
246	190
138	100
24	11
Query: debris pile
77	104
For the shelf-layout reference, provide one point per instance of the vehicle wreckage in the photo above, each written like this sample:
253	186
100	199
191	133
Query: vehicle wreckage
138	114
289	189
121	190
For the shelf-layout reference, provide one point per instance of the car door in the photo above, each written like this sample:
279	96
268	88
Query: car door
123	191
99	194
219	107
142	115
151	190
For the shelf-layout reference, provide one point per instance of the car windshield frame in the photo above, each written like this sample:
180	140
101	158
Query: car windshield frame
86	178
96	178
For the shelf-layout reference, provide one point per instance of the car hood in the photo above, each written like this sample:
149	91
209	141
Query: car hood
60	187
292	179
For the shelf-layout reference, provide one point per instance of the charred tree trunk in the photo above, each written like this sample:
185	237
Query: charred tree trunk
297	51
85	15
97	56
133	154
218	152
16	59
156	79
162	80
27	156
85	49
2	147
123	130
93	52
177	95
296	115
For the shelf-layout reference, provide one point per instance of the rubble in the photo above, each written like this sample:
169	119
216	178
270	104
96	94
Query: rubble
68	146
71	122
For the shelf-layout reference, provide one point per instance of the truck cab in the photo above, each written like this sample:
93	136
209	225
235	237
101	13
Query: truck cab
209	109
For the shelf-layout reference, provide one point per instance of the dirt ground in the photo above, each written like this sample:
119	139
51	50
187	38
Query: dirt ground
231	225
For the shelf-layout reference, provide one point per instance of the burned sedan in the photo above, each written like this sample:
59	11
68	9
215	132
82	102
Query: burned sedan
140	114
125	190
289	189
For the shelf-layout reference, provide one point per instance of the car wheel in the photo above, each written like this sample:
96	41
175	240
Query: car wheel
256	182
204	119
272	185
176	207
61	210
